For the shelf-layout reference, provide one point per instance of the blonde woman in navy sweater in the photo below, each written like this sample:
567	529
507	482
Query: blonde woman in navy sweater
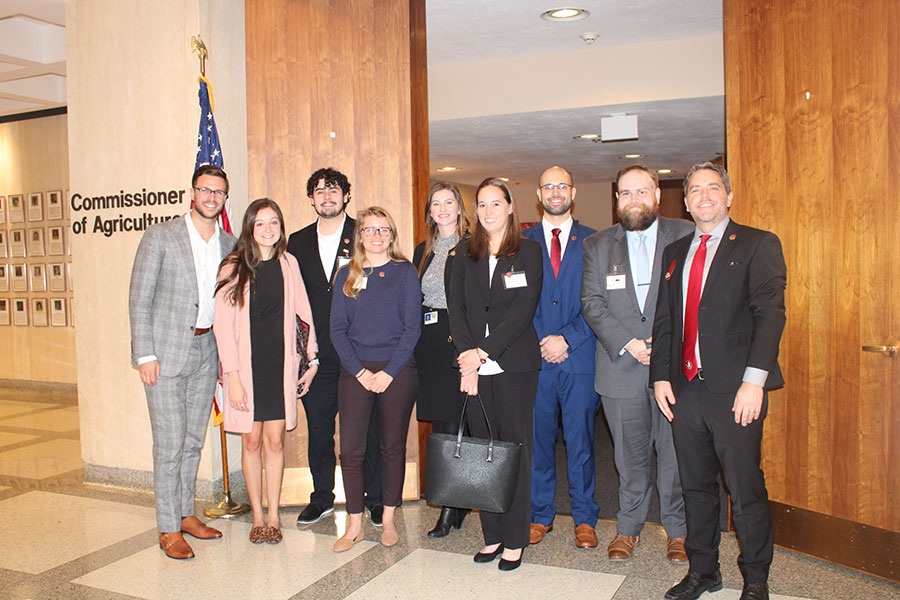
375	315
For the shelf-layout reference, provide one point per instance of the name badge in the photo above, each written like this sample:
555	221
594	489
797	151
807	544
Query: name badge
515	279
431	317
615	282
365	280
342	261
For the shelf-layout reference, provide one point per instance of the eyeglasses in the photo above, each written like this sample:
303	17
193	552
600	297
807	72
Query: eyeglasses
549	187
371	231
219	194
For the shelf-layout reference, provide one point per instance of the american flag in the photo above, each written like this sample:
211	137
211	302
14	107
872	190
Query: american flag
210	153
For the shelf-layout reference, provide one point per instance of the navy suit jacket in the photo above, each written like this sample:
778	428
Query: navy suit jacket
559	308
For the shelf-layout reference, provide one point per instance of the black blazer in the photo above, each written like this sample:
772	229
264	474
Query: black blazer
741	316
304	245
472	304
448	268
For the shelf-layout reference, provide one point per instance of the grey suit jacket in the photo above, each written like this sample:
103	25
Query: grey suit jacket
163	298
614	315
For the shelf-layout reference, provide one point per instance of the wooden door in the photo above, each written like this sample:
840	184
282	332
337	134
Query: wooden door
813	129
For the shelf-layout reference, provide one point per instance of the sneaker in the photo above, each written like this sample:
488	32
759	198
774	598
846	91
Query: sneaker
313	513
376	512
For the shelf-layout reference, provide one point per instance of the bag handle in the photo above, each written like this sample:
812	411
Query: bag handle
462	420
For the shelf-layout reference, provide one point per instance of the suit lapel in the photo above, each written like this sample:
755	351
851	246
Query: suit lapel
620	257
663	239
345	248
182	242
572	249
723	253
313	250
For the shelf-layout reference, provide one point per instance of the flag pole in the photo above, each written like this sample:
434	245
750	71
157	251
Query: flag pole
226	506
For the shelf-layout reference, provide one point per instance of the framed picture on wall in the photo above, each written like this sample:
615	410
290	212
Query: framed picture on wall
57	278
17	243
54	205
16	208
3	249
2	209
58	312
19	278
36	242
36	207
4	278
56	241
38	277
39	312
4	311
20	311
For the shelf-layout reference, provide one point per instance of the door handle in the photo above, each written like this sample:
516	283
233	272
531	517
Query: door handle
890	348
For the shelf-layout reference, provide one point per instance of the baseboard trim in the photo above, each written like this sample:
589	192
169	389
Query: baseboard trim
847	543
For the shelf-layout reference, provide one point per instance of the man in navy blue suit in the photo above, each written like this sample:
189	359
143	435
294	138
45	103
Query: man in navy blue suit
566	381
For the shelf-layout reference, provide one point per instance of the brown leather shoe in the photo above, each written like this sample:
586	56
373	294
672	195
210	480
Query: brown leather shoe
622	546
585	536
538	532
174	545
199	529
675	551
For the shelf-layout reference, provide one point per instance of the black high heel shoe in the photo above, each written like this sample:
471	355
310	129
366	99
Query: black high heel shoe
486	557
511	565
450	518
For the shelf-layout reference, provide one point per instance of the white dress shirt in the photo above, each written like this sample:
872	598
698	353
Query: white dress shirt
328	246
491	367
207	256
564	229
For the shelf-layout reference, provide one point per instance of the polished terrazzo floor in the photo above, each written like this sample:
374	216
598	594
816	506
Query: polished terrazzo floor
61	538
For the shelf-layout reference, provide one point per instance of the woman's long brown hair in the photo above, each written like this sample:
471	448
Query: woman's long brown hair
462	220
480	243
245	257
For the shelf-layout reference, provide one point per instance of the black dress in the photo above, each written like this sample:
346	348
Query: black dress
267	341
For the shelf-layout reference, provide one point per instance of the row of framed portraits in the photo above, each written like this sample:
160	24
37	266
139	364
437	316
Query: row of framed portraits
19	208
40	241
36	277
36	312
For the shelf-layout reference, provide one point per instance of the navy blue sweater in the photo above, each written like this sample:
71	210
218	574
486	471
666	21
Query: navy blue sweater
383	323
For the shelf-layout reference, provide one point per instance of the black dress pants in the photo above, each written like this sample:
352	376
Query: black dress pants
321	406
509	402
706	436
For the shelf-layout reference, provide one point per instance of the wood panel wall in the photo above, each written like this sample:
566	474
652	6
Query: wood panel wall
813	130
339	83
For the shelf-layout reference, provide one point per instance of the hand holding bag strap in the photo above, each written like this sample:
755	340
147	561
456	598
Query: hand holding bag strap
459	433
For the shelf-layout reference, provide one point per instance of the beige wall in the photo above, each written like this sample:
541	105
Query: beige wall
132	128
33	158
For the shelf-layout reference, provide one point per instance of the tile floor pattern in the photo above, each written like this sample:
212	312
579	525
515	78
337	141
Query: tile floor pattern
64	539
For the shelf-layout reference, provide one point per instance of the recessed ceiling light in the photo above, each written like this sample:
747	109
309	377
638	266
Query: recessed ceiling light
632	156
587	136
504	179
664	171
565	14
447	169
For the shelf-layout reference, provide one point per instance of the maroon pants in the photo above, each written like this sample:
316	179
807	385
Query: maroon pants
394	407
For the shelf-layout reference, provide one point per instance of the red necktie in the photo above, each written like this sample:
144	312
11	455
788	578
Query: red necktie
691	310
555	251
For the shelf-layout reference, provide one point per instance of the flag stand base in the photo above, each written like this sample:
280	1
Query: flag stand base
227	507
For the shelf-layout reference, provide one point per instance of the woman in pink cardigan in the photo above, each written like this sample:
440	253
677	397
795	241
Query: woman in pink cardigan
258	294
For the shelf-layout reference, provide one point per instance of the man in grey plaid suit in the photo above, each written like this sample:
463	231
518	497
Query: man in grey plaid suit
170	306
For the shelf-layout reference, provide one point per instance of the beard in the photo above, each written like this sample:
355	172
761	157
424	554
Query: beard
330	212
637	220
557	210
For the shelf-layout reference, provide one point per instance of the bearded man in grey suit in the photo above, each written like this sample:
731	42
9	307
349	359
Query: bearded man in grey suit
618	300
170	306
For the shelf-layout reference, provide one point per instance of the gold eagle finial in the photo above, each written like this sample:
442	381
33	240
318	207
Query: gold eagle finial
197	45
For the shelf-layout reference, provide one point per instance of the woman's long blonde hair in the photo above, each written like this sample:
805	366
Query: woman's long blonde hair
355	276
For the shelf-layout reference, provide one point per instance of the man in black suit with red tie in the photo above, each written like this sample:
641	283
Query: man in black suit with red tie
719	318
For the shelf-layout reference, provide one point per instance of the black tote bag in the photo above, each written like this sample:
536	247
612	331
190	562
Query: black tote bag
467	472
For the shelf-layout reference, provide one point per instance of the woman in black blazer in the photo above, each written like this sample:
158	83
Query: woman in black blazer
494	291
439	399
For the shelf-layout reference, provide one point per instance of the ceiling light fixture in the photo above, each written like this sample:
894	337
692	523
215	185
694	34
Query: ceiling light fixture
565	14
447	169
587	136
664	171
503	179
632	156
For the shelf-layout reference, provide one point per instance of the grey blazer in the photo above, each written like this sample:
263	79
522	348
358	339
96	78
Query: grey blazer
163	298
614	314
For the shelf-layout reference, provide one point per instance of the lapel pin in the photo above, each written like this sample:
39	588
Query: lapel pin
732	237
574	237
453	253
381	273
346	240
671	269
